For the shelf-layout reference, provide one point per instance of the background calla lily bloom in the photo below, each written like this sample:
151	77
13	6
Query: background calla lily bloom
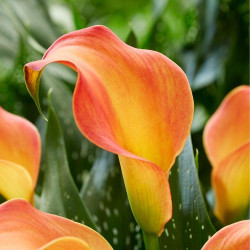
20	152
227	142
24	227
232	237
134	103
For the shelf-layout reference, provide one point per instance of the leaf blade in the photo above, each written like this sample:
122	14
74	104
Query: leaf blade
190	226
59	192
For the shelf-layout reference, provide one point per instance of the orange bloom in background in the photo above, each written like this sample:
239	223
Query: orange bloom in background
233	237
227	143
20	152
24	227
134	103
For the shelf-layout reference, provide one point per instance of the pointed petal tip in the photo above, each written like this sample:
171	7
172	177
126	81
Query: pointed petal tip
32	81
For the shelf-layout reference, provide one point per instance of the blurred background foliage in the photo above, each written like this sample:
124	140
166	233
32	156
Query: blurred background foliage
207	38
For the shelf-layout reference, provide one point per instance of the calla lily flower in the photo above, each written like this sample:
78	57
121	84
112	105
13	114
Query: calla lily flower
20	152
232	237
227	143
24	227
134	103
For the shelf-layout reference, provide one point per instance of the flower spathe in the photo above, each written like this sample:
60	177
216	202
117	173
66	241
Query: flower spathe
232	237
227	143
26	228
134	103
20	152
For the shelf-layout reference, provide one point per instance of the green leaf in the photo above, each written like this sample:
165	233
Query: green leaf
200	118
32	20
9	45
196	158
62	16
2	199
106	198
59	193
190	226
210	70
79	19
131	39
159	7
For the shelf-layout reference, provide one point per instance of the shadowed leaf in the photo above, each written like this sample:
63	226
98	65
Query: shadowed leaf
106	198
190	226
59	193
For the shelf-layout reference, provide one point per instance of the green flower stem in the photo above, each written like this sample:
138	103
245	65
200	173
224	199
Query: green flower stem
151	241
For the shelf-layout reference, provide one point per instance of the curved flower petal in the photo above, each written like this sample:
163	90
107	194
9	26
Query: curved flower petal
15	181
20	146
230	181
228	128
139	191
227	143
24	227
134	103
234	236
20	143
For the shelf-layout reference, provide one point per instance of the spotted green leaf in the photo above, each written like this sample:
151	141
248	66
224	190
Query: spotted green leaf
106	198
59	193
190	226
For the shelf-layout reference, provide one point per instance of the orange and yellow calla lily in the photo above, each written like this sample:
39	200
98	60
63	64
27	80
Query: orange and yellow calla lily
232	237
24	227
134	103
227	143
20	152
